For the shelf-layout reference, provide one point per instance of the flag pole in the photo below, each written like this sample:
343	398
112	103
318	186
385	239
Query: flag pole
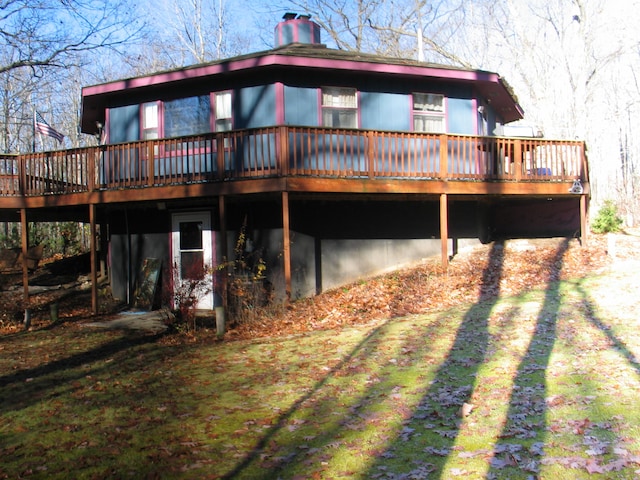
33	126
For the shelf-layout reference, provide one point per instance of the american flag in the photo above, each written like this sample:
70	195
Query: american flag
44	128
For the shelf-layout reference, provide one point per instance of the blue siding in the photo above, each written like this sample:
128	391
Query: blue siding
124	124
301	106
385	111
461	116
254	107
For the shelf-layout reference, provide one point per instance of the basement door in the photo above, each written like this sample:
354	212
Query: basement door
191	244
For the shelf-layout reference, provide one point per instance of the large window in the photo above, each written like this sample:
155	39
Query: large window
428	113
339	107
187	116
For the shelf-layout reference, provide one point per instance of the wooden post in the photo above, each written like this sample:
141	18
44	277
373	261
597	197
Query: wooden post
224	273
444	230
517	155
370	155
150	163
282	164
25	269
93	257
444	156
583	220
220	156
286	240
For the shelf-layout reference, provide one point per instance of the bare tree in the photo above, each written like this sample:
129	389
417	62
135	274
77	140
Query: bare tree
41	41
192	21
44	33
422	30
573	65
193	31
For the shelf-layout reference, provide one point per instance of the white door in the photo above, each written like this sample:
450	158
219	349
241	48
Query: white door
191	244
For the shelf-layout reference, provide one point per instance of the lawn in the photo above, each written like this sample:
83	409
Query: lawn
543	384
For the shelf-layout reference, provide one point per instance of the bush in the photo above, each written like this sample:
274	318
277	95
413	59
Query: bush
607	219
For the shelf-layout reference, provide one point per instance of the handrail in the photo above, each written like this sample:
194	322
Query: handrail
292	151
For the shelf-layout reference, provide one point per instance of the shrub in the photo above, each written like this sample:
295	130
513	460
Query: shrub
607	219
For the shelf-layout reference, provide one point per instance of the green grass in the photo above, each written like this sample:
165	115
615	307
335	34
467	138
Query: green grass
553	378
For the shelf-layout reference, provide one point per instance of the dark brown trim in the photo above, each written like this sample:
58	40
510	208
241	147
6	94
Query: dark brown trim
94	258
25	247
286	240
444	229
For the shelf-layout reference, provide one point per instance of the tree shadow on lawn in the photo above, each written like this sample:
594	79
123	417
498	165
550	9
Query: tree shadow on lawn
590	313
525	420
441	408
264	446
27	386
99	411
385	385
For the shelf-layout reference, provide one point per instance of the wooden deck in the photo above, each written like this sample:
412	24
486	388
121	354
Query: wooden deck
295	159
283	160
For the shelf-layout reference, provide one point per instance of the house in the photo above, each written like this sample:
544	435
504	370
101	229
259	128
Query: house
324	165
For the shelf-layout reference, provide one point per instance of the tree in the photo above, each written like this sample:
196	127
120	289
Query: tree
573	65
40	34
187	32
42	44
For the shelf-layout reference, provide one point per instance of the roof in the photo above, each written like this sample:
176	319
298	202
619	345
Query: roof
309	56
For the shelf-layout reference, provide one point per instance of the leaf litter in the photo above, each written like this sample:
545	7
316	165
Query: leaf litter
542	431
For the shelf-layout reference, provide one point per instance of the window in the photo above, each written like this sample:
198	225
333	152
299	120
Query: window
191	251
187	116
339	107
224	115
150	121
428	113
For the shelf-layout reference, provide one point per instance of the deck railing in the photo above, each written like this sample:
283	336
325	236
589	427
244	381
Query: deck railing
292	151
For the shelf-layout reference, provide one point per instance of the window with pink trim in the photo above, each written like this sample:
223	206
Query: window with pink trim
428	112
339	107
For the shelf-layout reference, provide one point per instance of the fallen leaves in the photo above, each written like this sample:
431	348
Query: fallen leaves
429	287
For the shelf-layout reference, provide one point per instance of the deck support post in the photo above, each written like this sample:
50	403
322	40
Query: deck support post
444	230
583	220
224	272
93	256
24	234
286	241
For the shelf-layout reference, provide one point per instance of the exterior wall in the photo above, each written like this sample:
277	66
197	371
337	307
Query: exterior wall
320	265
385	111
385	107
254	107
142	246
345	260
535	218
337	242
460	116
124	124
301	106
138	234
381	110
